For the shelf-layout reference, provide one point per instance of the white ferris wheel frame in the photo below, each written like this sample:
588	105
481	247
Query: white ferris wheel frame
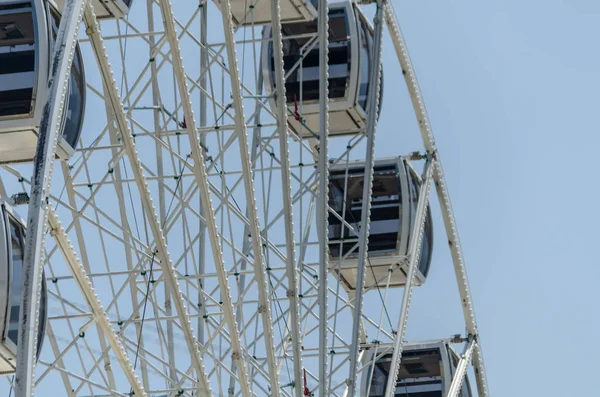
40	214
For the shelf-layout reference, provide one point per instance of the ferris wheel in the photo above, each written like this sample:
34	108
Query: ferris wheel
184	214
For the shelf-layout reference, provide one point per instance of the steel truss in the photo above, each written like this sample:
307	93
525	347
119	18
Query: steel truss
225	286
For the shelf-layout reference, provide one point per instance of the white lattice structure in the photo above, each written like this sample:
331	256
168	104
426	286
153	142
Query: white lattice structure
185	242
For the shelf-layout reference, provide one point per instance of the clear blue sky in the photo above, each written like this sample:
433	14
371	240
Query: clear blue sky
512	90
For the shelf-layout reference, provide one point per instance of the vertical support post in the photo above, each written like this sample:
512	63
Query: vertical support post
201	176
202	123
416	242
372	106
162	252
323	192
126	233
288	217
260	271
246	245
99	314
461	370
443	194
85	262
161	189
37	216
57	353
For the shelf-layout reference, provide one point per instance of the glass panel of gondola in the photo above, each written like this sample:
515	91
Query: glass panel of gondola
74	113
17	240
379	378
17	243
76	101
427	243
43	315
385	210
17	59
337	201
339	59
365	48
420	375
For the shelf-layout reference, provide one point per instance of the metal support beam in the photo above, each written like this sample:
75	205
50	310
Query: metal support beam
202	180
442	191
414	253
259	264
323	192
57	353
85	261
161	189
37	216
88	292
246	244
372	113
203	105
461	370
461	276
288	217
126	236
162	250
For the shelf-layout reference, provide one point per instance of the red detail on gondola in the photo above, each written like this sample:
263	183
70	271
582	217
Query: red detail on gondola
307	392
296	114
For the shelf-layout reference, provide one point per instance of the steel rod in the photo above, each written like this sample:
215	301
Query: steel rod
37	217
323	192
372	113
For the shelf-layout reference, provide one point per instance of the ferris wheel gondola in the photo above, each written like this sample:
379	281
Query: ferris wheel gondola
12	253
209	266
393	211
426	370
350	50
106	9
258	12
28	30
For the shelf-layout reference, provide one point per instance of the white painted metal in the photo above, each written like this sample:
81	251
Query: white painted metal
162	250
200	174
346	115
456	388
415	251
449	222
290	252
107	9
270	308
259	12
50	124
98	311
84	260
323	193
372	106
264	301
380	263
19	135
